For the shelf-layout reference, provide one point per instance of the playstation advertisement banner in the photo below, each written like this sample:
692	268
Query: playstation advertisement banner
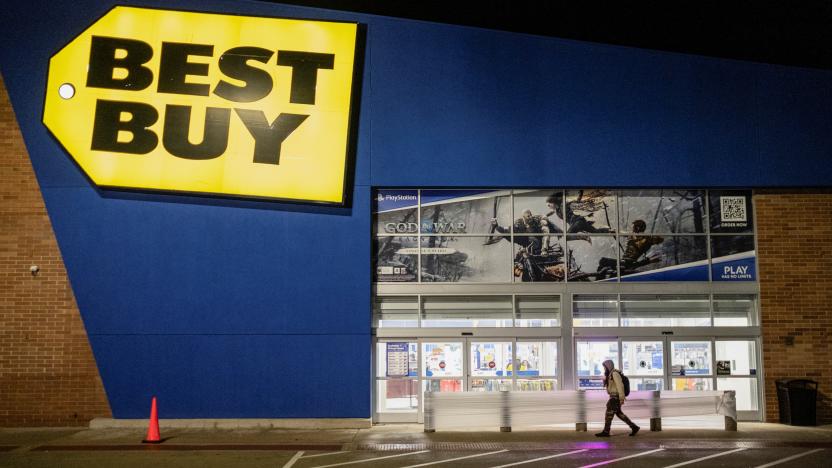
550	235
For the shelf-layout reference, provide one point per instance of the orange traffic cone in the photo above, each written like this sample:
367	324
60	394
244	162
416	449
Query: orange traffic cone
153	428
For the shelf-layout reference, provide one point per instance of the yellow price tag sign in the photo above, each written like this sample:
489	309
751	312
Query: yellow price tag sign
207	103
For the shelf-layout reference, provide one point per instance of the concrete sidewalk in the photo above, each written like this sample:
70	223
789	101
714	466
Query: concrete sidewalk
406	437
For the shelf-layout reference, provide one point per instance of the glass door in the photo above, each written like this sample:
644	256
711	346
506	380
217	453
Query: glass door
643	361
736	369
492	365
397	396
590	355
405	368
443	365
691	366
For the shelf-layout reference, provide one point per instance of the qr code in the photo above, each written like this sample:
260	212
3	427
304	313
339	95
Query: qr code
733	209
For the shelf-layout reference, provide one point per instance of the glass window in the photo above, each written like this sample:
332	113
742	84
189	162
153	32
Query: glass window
396	312
467	311
690	358
665	211
595	311
642	357
695	385
591	356
397	396
736	357
538	311
746	389
592	258
442	385
442	359
537	358
466	259
735	311
490	385
537	385
665	311
491	359
645	384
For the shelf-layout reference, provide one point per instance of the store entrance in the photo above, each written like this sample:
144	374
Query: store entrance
680	364
407	368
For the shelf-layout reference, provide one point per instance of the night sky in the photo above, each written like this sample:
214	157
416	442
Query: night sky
797	33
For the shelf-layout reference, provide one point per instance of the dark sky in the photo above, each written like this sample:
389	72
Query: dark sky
789	32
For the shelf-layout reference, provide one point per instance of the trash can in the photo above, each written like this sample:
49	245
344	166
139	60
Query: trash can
796	400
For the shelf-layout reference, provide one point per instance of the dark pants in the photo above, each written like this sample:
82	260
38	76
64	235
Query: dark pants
614	409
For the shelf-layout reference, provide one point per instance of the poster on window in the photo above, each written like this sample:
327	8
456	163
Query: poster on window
589	211
395	212
466	259
734	258
538	211
592	258
464	211
396	258
731	211
664	258
398	359
539	258
662	211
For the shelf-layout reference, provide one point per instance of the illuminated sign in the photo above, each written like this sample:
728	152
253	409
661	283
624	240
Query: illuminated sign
207	103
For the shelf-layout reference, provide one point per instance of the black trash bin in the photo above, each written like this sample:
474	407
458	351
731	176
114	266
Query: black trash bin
796	400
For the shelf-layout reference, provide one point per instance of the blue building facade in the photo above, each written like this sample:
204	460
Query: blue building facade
256	309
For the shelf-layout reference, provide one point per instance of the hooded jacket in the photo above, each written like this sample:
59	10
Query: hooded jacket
615	386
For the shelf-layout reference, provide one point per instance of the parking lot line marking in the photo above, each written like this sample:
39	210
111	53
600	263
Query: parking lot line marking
373	459
607	462
705	458
324	454
541	458
292	460
458	458
784	460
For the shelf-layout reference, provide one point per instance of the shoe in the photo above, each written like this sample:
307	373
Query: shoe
635	431
602	434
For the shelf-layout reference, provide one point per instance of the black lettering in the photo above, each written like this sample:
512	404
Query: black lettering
214	137
305	67
174	68
107	124
103	62
234	64
269	138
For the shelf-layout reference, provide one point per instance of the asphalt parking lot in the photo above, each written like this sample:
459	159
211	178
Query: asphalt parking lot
754	445
590	456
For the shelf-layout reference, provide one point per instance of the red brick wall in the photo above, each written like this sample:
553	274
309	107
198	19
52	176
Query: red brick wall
48	376
794	236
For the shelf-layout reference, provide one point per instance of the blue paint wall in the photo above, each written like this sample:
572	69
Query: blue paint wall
255	309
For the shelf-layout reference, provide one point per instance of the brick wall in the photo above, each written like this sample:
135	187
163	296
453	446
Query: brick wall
48	376
794	235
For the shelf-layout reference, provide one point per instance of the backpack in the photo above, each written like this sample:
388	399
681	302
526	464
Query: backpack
624	381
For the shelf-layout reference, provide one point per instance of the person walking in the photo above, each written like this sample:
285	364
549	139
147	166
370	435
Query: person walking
615	389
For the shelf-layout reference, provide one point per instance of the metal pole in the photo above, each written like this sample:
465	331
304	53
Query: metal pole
730	400
580	424
655	412
428	407
505	411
